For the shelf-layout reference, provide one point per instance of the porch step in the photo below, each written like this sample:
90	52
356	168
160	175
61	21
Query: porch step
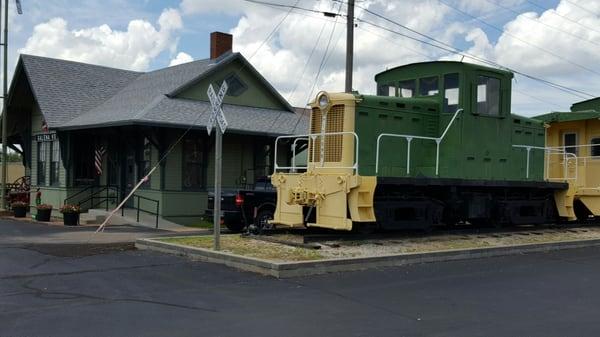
92	217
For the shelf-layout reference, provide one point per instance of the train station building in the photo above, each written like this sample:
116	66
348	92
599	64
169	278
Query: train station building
88	133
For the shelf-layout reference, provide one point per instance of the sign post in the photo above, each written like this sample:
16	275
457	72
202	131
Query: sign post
216	100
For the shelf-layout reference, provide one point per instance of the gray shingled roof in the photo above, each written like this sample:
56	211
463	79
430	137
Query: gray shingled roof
66	89
141	98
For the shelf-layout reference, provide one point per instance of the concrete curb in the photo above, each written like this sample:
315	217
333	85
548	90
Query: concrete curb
295	269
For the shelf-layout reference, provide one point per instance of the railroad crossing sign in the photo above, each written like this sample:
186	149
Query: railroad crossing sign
216	100
217	117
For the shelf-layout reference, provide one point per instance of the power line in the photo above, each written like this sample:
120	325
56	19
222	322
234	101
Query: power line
446	47
321	66
581	7
454	50
519	39
555	13
539	22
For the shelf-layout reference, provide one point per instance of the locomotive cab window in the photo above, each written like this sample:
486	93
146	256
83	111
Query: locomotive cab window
570	142
407	88
451	92
595	147
386	90
428	86
488	96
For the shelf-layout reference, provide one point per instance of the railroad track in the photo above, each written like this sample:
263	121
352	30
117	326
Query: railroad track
312	238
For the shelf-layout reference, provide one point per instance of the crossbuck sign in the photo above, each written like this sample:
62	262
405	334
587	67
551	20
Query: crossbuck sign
217	113
216	100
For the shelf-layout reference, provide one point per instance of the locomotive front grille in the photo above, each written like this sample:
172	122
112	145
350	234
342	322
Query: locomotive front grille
333	143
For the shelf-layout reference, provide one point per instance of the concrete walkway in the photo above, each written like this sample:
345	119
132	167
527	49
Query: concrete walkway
146	220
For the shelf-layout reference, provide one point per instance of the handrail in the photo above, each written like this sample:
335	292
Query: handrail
409	139
96	195
156	214
78	193
550	151
314	136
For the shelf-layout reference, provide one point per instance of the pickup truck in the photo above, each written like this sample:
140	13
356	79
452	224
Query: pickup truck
242	208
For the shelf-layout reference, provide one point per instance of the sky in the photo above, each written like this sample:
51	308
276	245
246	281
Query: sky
301	52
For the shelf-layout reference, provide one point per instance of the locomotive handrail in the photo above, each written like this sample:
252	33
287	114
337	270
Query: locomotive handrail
314	136
294	144
409	139
548	150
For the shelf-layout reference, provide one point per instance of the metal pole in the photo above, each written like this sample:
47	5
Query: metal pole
4	105
217	210
138	210
349	45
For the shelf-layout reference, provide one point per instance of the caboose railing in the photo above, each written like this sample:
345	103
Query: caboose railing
313	137
409	138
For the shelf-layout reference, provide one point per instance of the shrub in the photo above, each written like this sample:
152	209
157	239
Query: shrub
19	204
68	208
43	206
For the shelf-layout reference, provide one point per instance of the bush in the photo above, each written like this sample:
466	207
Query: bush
43	206
19	204
69	209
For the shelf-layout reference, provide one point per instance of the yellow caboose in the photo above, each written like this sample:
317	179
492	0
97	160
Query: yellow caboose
573	155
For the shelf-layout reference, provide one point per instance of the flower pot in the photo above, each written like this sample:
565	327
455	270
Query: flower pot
43	214
71	219
20	212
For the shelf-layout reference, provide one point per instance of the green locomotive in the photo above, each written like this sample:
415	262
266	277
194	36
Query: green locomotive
437	144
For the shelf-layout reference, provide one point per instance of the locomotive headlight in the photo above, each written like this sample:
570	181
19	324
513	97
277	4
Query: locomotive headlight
323	101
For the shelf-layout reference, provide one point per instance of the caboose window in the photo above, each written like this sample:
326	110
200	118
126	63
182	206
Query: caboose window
428	86
451	92
595	147
570	142
488	96
407	88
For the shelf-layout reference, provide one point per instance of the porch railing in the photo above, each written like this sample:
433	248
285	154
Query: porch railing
97	196
138	209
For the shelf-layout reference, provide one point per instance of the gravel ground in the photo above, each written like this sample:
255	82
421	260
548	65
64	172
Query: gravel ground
399	245
393	244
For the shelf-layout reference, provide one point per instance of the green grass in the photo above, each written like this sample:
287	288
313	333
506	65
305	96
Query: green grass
202	224
249	247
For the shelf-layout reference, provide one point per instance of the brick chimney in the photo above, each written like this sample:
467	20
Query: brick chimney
220	43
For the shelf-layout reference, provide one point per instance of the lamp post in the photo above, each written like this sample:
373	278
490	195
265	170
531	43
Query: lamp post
4	94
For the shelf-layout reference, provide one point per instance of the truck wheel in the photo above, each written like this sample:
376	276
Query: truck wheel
262	219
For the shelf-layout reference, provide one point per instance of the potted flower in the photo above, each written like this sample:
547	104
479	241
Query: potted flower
19	208
70	214
43	212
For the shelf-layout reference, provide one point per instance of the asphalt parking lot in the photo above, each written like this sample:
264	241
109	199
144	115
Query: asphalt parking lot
118	291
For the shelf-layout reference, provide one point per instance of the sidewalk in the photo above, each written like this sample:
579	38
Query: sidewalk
146	220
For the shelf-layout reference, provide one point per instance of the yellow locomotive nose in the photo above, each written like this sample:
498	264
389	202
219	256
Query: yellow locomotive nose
331	188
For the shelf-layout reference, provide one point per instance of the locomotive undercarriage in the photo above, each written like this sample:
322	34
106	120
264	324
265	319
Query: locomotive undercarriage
417	203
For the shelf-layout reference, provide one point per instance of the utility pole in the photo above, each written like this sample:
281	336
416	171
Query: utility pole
4	99
349	45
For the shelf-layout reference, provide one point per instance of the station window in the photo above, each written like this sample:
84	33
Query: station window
595	147
428	86
570	142
407	88
194	163
451	92
42	158
488	96
235	85
386	90
144	165
55	159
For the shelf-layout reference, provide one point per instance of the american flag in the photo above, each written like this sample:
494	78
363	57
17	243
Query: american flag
98	154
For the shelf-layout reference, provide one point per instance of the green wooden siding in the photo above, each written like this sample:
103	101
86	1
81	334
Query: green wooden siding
256	95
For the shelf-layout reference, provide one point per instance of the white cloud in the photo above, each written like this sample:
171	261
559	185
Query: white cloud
211	6
131	49
181	58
